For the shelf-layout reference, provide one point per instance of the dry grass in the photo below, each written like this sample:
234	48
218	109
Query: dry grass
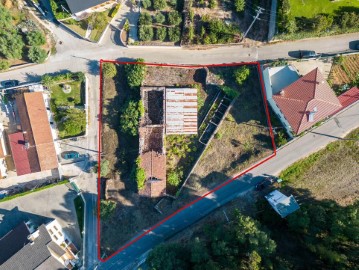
331	173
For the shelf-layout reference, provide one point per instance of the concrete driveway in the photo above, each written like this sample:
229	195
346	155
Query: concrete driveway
40	207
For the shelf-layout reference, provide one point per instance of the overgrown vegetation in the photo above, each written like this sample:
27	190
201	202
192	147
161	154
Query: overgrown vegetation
14	29
207	28
109	70
130	116
139	174
242	244
80	211
107	208
160	21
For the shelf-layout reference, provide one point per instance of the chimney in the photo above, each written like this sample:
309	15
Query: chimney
281	92
312	114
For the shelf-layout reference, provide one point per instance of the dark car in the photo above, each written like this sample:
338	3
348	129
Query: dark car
10	83
70	155
307	54
269	180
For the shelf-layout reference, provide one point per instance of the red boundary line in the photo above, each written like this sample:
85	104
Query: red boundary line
199	198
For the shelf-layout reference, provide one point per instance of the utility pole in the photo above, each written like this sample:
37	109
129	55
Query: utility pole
259	12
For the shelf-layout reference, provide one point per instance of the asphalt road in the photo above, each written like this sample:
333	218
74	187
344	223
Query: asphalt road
79	55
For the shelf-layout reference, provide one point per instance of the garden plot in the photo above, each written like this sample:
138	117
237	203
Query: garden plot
344	73
67	103
160	22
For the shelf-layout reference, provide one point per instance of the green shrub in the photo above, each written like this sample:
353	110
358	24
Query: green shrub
239	5
135	73
107	208
212	3
174	18
161	33
73	123
145	33
98	20
140	175
230	92
35	38
146	4
105	168
37	55
218	135
11	44
159	4
173	178
174	34
145	19
4	65
109	70
129	118
241	74
160	18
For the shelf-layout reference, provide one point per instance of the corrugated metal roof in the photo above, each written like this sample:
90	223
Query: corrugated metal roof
181	111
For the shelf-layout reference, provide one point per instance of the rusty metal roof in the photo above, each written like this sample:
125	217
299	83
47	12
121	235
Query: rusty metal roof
181	110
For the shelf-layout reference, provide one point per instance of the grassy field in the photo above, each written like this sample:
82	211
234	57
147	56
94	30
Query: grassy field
310	8
331	173
75	97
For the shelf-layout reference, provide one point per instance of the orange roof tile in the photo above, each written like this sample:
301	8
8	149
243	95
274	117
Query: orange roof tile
41	130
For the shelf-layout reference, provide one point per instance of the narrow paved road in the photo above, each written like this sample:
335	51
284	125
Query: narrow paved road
335	128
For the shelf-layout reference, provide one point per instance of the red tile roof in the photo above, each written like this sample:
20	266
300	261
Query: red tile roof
300	98
154	165
19	153
349	97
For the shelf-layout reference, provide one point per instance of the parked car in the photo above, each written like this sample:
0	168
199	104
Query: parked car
9	83
268	181
70	155
307	54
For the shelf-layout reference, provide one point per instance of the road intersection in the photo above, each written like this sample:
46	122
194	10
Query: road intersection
79	55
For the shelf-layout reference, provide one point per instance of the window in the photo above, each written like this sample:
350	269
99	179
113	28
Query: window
50	231
60	233
56	228
56	237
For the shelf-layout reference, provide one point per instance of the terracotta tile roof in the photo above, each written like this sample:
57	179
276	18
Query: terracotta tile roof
349	97
19	153
27	132
154	165
309	93
41	130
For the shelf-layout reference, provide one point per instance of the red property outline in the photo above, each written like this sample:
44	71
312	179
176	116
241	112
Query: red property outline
199	198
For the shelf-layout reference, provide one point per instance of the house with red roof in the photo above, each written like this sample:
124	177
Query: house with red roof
305	101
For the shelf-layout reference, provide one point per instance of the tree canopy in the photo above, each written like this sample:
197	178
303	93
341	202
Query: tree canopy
135	73
130	116
35	38
73	123
241	74
241	245
109	70
37	55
